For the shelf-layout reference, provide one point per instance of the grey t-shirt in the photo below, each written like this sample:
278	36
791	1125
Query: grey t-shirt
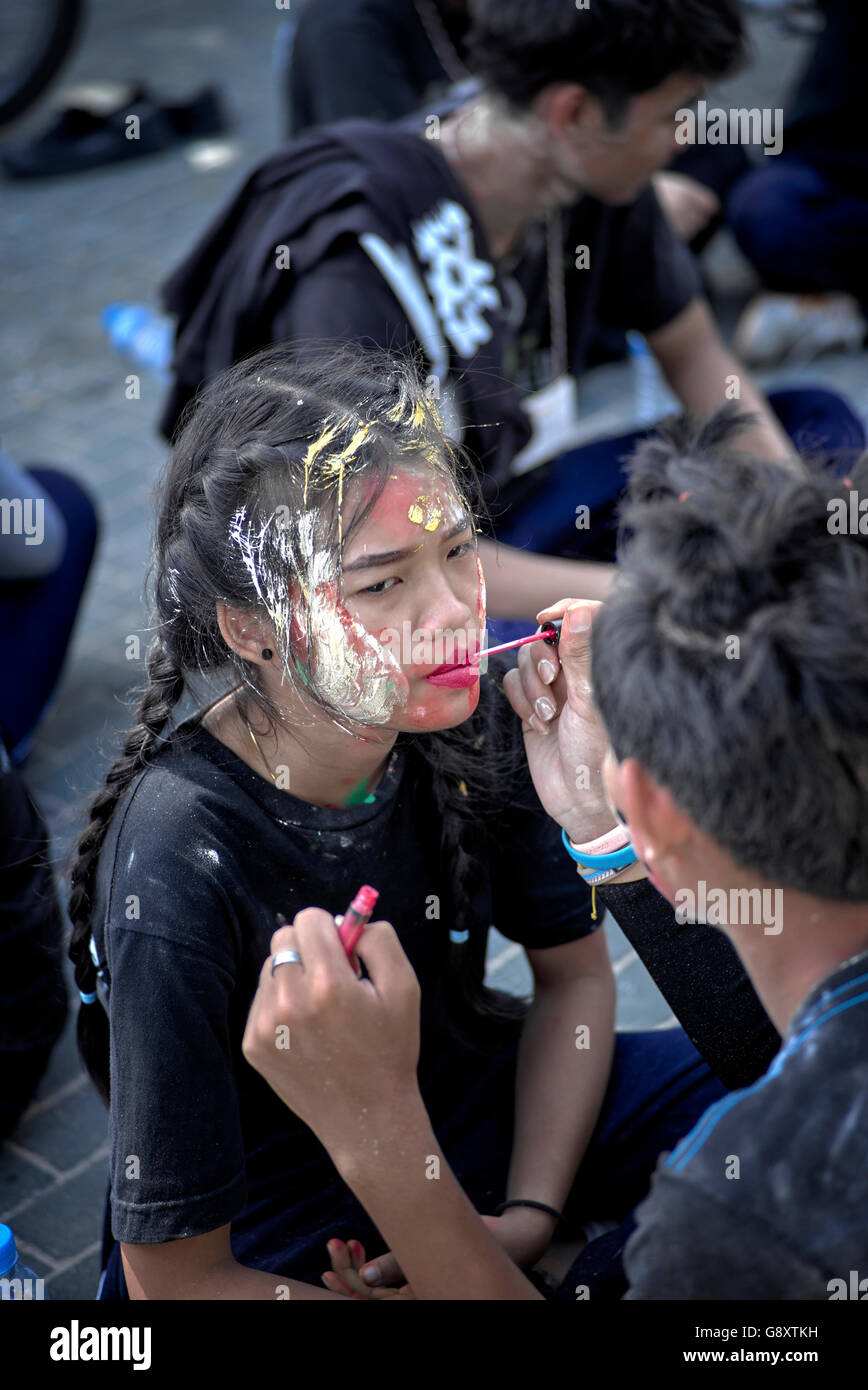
767	1197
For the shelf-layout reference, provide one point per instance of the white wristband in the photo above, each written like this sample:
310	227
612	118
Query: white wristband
614	839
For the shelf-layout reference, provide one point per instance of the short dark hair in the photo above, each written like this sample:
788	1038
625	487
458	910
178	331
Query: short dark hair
615	48
764	744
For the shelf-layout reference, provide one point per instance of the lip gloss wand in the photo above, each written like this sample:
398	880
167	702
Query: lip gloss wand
551	633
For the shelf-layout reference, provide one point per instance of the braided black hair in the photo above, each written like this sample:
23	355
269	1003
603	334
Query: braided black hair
242	453
469	776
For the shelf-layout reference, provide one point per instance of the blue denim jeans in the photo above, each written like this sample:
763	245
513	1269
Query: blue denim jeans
658	1089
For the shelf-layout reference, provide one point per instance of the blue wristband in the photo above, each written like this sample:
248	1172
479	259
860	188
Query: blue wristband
618	859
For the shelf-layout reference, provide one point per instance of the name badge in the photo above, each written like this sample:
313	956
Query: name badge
554	414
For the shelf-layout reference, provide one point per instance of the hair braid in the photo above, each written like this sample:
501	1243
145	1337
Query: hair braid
164	690
466	783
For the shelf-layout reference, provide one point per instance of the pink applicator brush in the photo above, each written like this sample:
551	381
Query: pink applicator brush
551	633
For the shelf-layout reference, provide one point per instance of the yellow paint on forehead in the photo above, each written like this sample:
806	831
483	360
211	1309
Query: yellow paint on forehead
427	511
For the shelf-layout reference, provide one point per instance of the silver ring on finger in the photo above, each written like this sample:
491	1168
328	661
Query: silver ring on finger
286	958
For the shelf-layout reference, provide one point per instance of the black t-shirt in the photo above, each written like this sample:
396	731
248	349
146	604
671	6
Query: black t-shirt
201	855
766	1197
386	248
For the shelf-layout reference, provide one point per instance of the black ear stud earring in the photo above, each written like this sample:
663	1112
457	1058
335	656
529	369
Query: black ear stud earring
267	653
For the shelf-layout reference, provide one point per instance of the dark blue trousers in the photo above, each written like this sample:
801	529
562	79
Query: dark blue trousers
658	1089
800	230
37	617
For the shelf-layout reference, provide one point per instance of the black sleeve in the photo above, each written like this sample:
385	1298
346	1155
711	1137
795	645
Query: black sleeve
650	275
539	899
344	297
688	1244
700	976
348	61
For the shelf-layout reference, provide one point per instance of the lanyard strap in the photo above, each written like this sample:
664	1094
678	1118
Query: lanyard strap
557	291
444	49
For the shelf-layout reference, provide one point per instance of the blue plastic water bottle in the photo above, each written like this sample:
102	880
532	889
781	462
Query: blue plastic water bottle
141	334
17	1282
651	397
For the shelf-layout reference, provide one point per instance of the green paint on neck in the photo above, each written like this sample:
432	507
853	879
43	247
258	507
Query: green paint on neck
357	796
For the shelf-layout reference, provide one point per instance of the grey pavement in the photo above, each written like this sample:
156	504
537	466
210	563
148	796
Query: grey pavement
69	247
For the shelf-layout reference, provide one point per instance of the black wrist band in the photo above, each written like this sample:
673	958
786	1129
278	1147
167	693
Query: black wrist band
524	1202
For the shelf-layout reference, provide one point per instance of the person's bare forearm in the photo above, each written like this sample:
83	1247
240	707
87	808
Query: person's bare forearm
702	386
230	1281
519	582
766	438
236	1282
402	1179
561	1078
705	375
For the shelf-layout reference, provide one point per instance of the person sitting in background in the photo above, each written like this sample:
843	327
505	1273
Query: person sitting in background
495	249
33	997
801	219
48	534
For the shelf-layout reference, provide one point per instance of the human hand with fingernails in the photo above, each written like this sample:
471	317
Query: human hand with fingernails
348	1061
354	1276
566	744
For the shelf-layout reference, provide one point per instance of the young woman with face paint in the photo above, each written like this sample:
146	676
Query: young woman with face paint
315	544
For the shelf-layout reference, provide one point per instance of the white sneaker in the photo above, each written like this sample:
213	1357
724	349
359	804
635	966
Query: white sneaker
782	328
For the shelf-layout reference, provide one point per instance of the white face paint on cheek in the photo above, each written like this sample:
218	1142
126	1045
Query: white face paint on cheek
355	671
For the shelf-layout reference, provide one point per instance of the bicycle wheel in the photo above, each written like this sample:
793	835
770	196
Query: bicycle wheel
35	40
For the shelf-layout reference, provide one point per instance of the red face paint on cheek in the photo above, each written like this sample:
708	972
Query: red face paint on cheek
297	637
480	600
351	627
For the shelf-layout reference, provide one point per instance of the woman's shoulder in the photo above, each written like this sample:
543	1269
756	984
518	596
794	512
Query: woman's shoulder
172	822
177	782
169	866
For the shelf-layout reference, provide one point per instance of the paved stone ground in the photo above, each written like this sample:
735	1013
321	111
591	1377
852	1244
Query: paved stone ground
71	247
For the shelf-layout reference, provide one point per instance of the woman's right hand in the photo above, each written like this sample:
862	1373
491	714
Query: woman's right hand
565	752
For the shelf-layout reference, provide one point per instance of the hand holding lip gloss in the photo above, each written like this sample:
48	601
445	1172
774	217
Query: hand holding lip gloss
356	918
